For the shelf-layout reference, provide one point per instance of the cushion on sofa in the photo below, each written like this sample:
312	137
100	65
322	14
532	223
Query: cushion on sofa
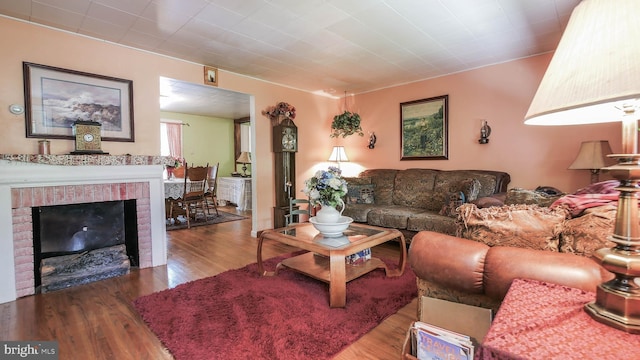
358	212
526	226
491	200
384	180
357	180
585	234
530	197
432	222
393	216
460	192
360	194
488	182
414	188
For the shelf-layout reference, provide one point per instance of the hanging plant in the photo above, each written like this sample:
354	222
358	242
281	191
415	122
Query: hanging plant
346	124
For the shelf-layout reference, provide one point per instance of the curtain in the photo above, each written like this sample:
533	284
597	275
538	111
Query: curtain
174	136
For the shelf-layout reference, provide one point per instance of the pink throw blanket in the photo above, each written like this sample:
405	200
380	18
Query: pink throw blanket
576	204
597	194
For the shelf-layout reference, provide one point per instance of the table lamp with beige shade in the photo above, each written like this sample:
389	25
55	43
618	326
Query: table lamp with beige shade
244	159
592	156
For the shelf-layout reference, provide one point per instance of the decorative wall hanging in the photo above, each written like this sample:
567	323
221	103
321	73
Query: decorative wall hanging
56	98
210	76
279	112
424	129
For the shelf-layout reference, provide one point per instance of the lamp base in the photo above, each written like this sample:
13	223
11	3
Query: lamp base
616	309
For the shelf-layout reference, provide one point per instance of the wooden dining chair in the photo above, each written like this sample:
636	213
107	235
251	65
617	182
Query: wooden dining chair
212	186
193	198
295	211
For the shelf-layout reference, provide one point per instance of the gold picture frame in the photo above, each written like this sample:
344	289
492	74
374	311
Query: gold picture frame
424	129
210	76
55	98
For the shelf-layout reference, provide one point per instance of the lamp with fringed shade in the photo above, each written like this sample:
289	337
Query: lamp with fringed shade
594	77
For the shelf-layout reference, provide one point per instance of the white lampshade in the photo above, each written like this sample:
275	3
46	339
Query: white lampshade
594	71
338	154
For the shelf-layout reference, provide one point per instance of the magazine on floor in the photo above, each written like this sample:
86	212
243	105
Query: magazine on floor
434	343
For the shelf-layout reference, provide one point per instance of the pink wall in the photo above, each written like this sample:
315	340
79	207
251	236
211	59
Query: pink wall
60	49
501	94
533	155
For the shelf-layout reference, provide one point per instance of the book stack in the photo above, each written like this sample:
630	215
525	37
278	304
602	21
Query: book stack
359	258
429	342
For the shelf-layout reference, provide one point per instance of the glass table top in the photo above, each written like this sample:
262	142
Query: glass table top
307	233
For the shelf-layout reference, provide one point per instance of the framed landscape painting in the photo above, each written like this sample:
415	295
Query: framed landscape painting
424	129
55	98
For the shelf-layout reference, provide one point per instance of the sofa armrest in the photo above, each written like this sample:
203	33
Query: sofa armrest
504	264
448	260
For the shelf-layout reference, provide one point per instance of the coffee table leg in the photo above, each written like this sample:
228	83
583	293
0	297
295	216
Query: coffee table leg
337	281
260	265
402	262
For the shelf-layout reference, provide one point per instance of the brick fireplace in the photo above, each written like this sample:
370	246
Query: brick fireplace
28	181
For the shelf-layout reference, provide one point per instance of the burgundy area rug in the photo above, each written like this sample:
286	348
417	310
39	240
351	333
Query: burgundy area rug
239	314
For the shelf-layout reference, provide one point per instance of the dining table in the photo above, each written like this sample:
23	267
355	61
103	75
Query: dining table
174	188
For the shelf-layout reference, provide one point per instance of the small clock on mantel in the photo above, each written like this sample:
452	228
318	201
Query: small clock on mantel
87	136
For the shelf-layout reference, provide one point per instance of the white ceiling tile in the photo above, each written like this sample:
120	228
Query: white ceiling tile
76	6
135	7
110	15
318	44
219	16
53	16
244	7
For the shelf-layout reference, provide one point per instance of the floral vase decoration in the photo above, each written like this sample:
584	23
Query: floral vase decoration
327	189
175	163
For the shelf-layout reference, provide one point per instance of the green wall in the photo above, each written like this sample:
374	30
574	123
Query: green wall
206	140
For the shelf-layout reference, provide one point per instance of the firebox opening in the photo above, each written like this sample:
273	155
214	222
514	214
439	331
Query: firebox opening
81	243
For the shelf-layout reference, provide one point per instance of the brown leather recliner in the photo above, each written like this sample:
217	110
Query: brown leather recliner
469	272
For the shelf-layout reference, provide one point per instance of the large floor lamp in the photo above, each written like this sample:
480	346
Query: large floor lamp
594	77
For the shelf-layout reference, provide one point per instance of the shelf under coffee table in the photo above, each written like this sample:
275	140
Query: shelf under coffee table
326	256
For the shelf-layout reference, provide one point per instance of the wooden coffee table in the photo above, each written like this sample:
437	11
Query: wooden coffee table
325	259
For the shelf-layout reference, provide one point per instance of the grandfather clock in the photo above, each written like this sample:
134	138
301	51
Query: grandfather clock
285	145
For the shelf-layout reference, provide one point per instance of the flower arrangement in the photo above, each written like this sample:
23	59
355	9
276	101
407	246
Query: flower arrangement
326	187
175	162
282	108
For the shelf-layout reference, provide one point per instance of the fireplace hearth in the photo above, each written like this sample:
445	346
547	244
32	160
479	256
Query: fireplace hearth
80	243
30	181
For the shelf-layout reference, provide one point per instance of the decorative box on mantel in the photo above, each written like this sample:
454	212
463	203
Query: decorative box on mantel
28	181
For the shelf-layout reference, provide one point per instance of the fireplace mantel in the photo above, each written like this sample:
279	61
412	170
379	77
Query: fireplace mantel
83	160
35	175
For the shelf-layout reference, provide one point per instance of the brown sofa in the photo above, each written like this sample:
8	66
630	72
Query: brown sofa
473	273
417	199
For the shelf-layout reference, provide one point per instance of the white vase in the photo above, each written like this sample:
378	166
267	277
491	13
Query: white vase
329	214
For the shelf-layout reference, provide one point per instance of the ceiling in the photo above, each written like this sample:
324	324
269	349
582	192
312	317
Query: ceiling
323	46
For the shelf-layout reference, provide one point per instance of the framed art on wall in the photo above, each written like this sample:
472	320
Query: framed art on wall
424	129
210	76
55	98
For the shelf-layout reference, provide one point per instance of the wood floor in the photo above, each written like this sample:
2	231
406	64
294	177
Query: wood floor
97	320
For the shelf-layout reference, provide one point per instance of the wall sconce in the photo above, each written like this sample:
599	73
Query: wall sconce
485	131
372	140
338	155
